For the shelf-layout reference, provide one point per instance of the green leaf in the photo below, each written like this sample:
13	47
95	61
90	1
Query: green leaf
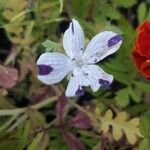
109	11
56	141
78	6
61	2
124	3
36	118
144	86
139	108
50	45
122	97
113	28
5	103
148	15
141	12
97	147
118	70
116	65
125	26
3	3
145	125
136	96
144	144
15	140
24	131
35	142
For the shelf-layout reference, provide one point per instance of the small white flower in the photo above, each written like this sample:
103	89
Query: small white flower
79	64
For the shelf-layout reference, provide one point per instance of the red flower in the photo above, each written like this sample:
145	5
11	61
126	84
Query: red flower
141	53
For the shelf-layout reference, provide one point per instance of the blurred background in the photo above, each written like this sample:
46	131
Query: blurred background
29	28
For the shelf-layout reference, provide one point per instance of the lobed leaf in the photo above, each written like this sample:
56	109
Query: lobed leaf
120	124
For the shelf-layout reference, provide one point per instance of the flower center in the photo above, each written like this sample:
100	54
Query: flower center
77	60
79	63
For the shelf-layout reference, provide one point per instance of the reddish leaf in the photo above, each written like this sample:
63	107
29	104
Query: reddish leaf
81	121
38	92
41	93
8	76
27	66
73	142
62	107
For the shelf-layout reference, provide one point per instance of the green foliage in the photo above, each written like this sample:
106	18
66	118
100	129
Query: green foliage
56	141
142	12
36	26
108	11
61	5
15	140
78	6
143	86
51	46
40	142
123	96
145	125
125	3
144	145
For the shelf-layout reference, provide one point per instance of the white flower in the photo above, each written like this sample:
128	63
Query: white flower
79	64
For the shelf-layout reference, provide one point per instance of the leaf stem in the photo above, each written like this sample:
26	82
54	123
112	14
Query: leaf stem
73	103
8	123
19	121
9	112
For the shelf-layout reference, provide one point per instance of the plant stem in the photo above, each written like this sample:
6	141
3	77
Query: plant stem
18	122
8	123
73	103
9	112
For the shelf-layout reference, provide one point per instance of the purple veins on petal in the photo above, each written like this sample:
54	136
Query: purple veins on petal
72	27
105	84
44	69
114	40
79	91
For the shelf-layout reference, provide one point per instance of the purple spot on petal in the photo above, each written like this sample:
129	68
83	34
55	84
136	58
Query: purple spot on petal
72	27
105	84
44	69
114	40
79	91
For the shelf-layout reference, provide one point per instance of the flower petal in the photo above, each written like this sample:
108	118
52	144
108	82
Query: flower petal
102	45
97	77
90	75
53	67
138	59
76	83
73	39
